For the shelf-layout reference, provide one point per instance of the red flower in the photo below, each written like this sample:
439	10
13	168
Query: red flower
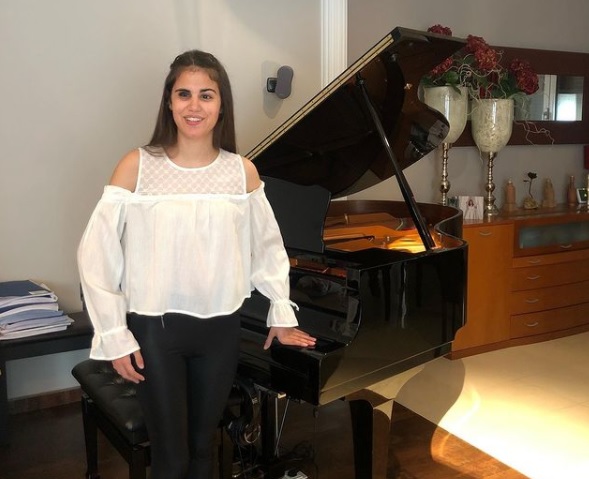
486	57
443	67
526	78
478	66
440	29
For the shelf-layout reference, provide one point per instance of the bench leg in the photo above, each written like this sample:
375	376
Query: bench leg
90	439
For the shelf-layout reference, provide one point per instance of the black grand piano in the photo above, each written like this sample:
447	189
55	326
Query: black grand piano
381	284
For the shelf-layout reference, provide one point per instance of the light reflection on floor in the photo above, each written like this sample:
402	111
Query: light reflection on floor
527	406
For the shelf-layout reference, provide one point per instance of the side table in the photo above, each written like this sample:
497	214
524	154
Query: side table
77	336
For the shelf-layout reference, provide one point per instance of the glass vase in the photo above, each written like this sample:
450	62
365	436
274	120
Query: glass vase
452	102
492	124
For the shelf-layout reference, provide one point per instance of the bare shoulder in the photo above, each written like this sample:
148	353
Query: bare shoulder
252	178
127	171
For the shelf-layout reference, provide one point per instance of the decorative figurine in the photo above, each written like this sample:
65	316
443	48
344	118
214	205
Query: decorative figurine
572	192
548	200
509	204
529	202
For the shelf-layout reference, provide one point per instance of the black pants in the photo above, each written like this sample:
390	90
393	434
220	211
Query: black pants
190	365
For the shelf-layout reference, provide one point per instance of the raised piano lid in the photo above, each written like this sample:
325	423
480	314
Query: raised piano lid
332	142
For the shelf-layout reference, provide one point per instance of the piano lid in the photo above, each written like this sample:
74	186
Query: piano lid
332	141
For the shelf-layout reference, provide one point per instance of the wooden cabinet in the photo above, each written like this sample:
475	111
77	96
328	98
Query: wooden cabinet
489	266
528	279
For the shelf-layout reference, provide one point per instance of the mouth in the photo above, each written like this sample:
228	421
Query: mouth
193	119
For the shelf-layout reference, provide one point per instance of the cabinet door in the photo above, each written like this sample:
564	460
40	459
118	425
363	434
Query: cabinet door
490	250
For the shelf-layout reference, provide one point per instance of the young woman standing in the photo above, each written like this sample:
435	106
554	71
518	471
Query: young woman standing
180	237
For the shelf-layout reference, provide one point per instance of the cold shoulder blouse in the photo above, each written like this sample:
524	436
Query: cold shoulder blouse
157	250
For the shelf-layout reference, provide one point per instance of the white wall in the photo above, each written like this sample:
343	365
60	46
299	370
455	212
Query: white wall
524	23
81	83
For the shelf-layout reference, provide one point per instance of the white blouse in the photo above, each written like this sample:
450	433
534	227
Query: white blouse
197	254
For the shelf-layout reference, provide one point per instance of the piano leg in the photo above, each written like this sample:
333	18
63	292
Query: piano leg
371	412
371	430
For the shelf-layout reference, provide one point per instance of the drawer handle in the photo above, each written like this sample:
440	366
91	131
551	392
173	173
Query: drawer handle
566	246
485	233
532	300
533	277
534	261
532	325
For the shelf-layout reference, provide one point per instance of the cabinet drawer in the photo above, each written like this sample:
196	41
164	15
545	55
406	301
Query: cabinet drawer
547	321
555	258
549	275
529	301
551	235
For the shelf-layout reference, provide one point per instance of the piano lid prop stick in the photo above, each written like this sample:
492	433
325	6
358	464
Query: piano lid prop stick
420	223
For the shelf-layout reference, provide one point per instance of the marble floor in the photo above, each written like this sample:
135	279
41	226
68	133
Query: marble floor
527	406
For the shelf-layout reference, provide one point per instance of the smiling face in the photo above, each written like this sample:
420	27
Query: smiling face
195	102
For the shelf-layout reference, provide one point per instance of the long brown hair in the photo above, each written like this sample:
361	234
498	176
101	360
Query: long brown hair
165	133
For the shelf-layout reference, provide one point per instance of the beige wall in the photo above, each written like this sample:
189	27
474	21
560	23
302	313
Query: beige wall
524	23
81	81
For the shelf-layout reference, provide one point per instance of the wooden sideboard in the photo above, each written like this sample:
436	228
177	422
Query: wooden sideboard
528	278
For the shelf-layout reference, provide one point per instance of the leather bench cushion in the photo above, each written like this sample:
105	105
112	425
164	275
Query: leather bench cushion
114	396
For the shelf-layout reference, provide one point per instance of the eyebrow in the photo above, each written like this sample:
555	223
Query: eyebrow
203	90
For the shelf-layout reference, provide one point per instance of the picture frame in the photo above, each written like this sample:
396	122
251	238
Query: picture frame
582	195
471	206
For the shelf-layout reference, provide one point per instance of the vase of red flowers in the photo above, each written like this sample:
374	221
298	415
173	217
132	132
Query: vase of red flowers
444	91
478	66
493	88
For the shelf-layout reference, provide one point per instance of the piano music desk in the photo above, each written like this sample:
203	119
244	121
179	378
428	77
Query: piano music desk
528	279
77	336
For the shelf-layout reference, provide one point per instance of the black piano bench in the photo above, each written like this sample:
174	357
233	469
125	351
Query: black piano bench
109	403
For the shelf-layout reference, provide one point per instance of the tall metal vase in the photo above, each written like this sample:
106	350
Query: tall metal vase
492	124
453	105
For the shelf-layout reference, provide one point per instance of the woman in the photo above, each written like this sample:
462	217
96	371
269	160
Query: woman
180	237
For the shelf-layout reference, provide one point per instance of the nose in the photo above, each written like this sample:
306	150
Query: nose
194	103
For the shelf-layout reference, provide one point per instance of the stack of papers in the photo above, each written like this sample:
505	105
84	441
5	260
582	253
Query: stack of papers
27	309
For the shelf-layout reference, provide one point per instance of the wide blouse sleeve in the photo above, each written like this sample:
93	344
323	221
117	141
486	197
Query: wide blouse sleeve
270	264
101	266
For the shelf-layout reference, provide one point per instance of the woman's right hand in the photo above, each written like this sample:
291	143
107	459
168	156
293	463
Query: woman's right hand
124	367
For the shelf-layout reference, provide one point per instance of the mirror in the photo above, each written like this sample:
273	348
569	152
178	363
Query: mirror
561	104
559	98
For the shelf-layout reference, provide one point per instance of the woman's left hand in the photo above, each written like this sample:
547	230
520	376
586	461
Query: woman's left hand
289	337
